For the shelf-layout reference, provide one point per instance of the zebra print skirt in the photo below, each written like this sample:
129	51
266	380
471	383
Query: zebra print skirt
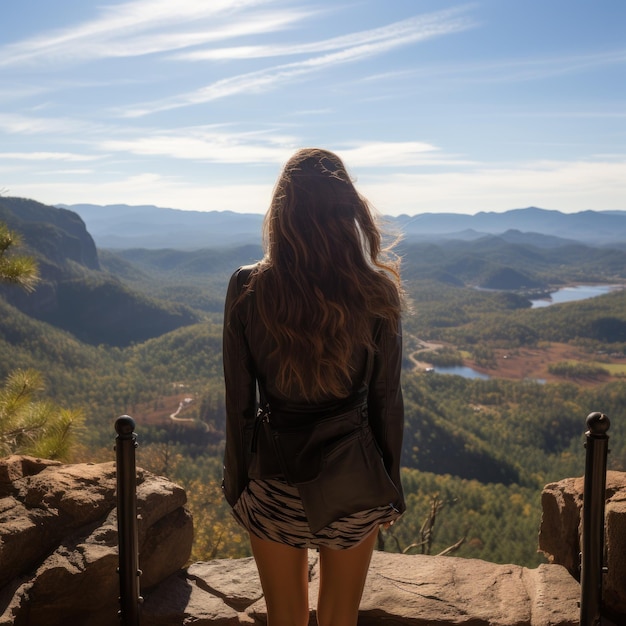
272	510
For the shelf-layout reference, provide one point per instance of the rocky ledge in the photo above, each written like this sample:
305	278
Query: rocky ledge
58	549
413	590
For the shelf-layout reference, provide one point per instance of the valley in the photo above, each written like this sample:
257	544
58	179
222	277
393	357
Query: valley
138	331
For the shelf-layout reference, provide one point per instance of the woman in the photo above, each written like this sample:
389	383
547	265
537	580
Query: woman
311	323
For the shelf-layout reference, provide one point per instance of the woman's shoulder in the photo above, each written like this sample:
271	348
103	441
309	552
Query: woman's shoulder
242	274
247	269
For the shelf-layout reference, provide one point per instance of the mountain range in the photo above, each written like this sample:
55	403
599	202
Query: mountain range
122	226
118	275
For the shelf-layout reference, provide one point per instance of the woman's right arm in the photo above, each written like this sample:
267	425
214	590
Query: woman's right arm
240	388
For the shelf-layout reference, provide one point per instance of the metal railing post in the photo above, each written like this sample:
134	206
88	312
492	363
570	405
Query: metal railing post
592	549
125	444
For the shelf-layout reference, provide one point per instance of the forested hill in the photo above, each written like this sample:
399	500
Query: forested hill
74	293
123	226
513	261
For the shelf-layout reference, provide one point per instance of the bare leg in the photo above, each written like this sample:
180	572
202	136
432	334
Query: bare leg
342	578
284	575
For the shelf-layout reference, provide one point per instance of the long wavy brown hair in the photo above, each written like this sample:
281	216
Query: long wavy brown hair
324	278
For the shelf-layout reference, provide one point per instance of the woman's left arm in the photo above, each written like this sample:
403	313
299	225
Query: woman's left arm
386	406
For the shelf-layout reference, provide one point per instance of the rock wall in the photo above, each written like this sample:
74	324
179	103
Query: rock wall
58	540
561	534
59	234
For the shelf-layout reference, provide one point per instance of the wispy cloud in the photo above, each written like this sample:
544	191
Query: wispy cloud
20	124
19	92
547	67
46	156
208	144
258	24
412	29
151	188
346	49
563	185
398	154
260	148
134	28
518	69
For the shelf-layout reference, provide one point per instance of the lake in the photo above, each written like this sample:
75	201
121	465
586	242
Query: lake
468	372
460	370
566	294
571	294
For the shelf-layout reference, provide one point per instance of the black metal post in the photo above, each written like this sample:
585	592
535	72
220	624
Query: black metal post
125	444
592	557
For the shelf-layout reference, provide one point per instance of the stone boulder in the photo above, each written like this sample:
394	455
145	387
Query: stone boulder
560	534
415	590
58	540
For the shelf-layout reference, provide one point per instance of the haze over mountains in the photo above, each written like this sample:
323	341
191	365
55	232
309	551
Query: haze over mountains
122	226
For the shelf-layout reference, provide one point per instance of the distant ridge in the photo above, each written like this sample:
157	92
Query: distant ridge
594	227
123	226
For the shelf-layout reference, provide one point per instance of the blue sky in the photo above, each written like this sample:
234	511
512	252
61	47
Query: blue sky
435	106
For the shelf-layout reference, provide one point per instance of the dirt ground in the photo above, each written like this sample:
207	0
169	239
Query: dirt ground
528	363
533	363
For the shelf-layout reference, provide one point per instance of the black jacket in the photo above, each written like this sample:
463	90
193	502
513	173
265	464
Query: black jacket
247	365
